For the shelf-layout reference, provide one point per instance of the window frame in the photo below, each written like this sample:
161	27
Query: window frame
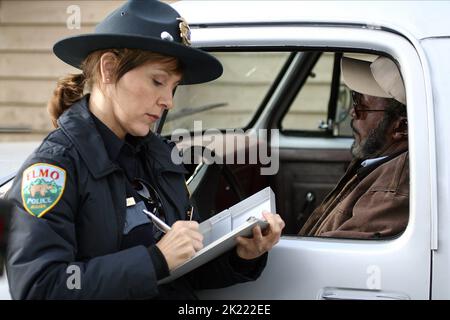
352	39
259	109
333	94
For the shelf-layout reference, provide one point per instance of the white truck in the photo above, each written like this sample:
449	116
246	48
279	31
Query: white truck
276	53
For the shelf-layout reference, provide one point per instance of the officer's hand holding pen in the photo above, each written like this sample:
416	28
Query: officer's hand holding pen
180	242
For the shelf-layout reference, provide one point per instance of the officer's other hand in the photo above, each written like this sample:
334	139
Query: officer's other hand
261	243
180	243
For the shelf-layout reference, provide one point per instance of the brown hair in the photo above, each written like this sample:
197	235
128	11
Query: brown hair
71	88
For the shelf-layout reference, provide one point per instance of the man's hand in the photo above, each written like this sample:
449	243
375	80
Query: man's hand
180	243
261	243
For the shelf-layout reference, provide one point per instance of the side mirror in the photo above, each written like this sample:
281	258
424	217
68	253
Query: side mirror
5	215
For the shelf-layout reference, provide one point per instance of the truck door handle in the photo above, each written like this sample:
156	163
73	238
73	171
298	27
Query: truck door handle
360	294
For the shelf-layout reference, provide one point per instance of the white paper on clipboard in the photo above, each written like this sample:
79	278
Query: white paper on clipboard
220	231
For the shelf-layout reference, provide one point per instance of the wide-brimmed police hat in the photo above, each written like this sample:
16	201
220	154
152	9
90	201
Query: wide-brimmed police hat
147	25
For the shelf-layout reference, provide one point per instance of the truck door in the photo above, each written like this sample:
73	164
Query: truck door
320	268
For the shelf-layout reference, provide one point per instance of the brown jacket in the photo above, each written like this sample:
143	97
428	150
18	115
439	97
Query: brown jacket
368	202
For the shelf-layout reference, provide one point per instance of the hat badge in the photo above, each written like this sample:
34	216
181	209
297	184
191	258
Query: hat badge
185	31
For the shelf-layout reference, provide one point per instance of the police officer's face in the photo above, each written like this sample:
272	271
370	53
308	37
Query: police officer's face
141	95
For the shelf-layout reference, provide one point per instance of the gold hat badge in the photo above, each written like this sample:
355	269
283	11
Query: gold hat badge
185	32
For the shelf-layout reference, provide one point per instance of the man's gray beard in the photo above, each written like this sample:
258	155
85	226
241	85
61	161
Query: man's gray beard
373	144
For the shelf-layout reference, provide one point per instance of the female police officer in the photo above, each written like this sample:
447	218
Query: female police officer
80	195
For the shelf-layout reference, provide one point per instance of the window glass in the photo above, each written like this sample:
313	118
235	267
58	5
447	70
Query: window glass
310	107
309	110
230	101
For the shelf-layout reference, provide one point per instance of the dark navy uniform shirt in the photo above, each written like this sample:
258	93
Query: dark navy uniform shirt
127	154
84	227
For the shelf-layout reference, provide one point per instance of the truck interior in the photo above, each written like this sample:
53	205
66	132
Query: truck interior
312	111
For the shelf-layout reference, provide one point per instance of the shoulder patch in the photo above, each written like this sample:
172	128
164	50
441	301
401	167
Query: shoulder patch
42	186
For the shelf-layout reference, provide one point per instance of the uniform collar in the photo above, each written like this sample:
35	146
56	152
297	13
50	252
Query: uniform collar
113	144
78	124
159	151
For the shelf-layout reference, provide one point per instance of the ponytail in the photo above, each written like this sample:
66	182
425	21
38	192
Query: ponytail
68	90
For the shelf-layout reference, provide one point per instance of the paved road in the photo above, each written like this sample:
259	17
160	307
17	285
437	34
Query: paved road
12	155
4	291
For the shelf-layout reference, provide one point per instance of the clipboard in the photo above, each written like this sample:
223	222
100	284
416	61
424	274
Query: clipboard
220	231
